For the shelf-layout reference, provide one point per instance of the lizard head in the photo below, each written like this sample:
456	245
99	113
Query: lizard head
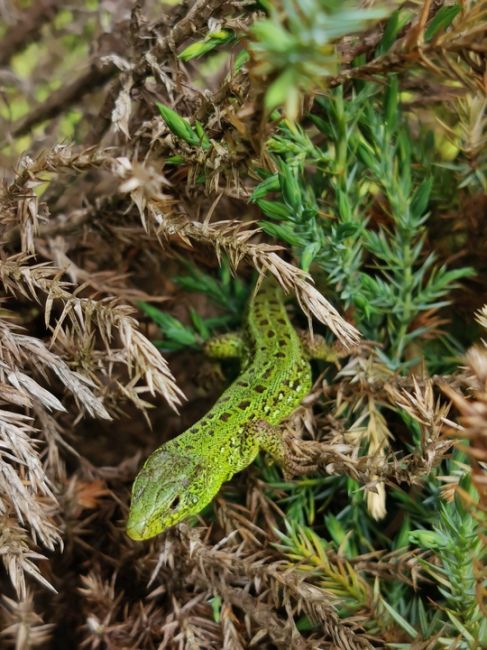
170	487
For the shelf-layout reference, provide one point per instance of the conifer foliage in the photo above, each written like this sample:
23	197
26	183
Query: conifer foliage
157	157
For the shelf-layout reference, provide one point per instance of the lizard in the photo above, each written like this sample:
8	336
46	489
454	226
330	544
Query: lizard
183	475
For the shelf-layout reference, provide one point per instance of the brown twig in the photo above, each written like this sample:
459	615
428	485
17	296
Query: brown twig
27	28
98	74
60	99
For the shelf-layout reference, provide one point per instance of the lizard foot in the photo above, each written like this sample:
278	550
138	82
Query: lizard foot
300	457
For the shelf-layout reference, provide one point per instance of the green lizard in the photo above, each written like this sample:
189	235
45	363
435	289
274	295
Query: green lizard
183	475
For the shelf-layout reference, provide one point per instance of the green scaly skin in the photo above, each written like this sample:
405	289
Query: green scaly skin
182	476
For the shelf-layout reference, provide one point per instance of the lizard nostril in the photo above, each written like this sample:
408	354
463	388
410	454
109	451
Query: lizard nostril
175	503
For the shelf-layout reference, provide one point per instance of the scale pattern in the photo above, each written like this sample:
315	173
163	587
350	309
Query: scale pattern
183	475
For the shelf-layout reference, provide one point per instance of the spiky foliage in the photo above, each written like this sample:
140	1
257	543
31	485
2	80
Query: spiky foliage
339	146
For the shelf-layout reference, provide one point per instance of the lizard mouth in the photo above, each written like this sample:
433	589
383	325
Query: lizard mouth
140	528
136	530
144	526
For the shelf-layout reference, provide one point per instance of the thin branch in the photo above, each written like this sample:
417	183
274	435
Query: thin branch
68	94
27	28
98	75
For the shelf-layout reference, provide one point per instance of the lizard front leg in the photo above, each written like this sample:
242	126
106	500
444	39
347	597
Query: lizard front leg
269	437
225	346
276	441
316	347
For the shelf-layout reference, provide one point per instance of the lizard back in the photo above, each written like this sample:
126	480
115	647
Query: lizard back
276	376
